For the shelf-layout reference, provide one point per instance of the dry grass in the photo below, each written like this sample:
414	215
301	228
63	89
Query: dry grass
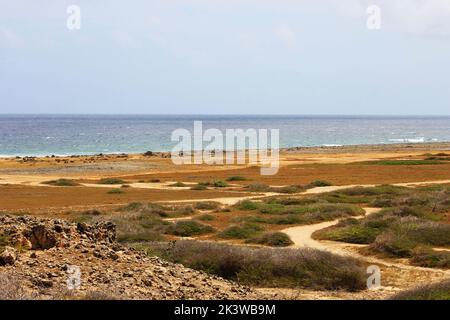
265	267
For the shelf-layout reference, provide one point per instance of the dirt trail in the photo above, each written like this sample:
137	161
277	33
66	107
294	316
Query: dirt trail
395	276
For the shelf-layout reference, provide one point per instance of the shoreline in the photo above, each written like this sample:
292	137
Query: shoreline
442	145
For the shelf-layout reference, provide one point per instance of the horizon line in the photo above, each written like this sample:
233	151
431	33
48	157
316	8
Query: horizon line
225	114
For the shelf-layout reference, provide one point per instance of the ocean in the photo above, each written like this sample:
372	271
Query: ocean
39	135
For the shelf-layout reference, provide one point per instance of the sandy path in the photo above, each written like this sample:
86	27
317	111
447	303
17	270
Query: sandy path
302	235
318	190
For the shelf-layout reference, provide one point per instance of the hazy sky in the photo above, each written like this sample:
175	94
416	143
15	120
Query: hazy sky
225	57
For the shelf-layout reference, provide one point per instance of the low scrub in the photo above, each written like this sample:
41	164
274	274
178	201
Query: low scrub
189	229
62	183
429	258
266	267
242	231
437	291
111	181
236	178
199	187
272	239
206	217
320	183
159	210
219	184
206	205
178	185
349	230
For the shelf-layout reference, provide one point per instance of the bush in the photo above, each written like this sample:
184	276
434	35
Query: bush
62	183
243	231
220	184
287	189
236	178
178	185
111	181
188	229
320	183
354	233
199	187
429	258
265	267
274	239
206	205
437	291
247	205
157	209
393	244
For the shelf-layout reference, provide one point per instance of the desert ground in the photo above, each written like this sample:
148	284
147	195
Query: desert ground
328	214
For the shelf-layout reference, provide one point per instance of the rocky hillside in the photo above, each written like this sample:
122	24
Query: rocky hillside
56	259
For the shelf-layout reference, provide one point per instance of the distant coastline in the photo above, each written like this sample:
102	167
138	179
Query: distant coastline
429	146
65	135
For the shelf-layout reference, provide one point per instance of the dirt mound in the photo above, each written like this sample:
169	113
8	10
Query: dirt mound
54	258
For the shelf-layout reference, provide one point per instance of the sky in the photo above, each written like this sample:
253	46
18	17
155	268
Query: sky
225	57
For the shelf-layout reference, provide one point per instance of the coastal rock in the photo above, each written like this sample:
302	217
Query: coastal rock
89	259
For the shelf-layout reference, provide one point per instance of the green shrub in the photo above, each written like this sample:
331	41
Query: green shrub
269	208
429	258
188	229
247	205
265	267
243	231
393	244
356	233
206	205
62	183
220	184
320	183
178	184
236	178
273	239
111	181
199	187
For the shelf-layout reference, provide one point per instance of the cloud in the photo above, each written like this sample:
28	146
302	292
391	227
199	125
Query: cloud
9	39
287	35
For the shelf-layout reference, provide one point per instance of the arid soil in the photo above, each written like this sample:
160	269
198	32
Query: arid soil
150	179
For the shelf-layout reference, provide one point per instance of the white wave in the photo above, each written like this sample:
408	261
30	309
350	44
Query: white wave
409	140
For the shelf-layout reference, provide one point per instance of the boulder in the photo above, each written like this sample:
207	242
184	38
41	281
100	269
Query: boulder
42	237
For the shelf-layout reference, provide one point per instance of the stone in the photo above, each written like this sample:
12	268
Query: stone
8	256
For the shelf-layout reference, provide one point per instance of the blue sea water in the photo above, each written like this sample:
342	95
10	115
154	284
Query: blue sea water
90	134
